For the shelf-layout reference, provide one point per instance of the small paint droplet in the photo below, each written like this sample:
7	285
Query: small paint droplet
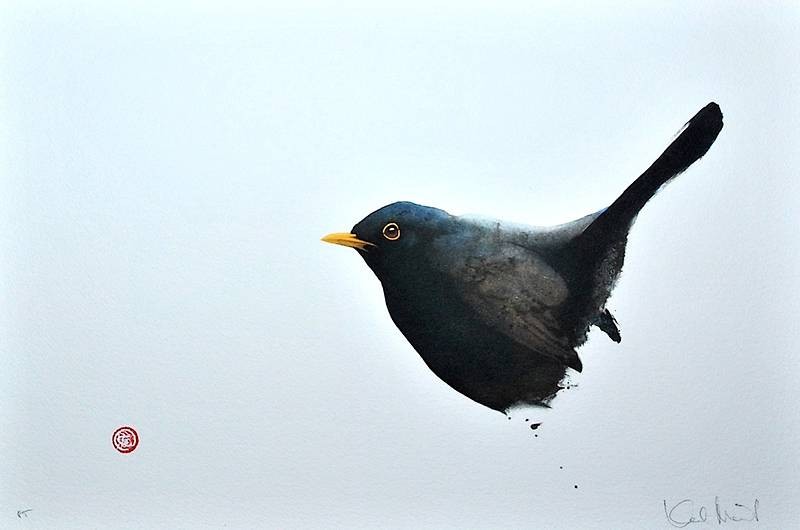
535	435
526	419
576	486
560	467
535	426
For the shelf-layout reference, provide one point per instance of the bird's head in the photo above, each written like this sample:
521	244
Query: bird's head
396	237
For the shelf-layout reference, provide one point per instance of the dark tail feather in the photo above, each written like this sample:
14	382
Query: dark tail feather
693	142
599	251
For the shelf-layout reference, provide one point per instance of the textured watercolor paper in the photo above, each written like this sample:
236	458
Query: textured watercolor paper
180	350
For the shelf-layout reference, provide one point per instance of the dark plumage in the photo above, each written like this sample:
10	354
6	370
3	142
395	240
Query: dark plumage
497	310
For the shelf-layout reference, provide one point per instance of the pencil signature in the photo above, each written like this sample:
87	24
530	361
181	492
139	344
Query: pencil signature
686	512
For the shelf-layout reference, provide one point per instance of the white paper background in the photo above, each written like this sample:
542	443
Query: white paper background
167	173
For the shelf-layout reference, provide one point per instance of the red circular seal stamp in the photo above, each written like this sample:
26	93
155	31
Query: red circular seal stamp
125	439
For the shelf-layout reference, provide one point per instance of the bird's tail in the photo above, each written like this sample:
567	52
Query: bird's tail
598	251
691	144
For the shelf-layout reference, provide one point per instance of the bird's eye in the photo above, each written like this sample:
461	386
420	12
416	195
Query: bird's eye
391	232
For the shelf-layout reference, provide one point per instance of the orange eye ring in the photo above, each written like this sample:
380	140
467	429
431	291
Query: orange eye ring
391	232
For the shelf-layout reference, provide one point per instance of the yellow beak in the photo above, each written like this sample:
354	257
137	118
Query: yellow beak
348	240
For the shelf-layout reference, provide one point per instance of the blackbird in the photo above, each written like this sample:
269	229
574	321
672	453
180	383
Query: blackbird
495	309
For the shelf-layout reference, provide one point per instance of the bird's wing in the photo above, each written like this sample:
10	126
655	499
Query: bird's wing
514	291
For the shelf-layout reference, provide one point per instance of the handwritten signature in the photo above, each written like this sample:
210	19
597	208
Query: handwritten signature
686	512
